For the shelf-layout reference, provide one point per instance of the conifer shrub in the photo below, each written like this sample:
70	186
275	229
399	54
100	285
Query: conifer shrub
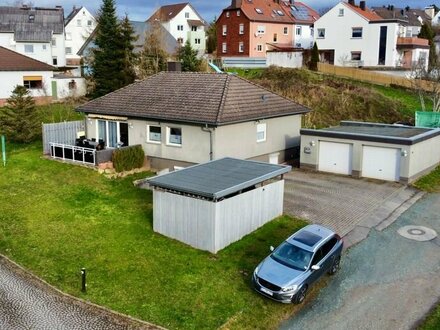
128	158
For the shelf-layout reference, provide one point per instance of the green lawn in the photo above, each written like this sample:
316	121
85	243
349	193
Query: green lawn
433	320
430	182
56	218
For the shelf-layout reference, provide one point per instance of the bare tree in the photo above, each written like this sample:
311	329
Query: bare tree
427	85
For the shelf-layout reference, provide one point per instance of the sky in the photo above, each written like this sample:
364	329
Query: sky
140	10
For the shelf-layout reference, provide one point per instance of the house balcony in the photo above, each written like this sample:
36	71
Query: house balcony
412	42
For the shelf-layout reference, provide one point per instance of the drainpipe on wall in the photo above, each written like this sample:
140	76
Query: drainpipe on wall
209	130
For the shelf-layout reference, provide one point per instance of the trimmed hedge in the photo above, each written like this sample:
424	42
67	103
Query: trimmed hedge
128	158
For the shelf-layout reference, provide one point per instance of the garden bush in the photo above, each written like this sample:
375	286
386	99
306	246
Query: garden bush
128	158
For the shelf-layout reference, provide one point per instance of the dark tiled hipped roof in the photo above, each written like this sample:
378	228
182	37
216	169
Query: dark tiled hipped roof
12	61
206	98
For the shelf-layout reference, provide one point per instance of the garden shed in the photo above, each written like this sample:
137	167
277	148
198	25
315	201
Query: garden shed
214	204
370	150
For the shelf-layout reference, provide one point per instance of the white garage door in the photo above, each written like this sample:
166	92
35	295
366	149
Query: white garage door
335	157
381	163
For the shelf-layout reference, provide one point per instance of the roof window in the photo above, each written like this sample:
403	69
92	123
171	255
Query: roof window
259	11
279	12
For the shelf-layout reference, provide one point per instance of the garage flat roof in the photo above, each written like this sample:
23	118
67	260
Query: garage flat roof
394	134
218	178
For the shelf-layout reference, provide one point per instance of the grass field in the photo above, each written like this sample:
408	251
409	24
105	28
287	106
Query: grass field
56	218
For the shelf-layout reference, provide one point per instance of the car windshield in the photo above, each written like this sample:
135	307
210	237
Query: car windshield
292	256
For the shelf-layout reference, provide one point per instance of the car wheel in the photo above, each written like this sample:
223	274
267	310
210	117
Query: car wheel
335	266
301	295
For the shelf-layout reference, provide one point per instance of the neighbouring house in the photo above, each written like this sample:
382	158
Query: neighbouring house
39	78
79	25
249	31
183	118
184	23
369	150
354	35
35	32
214	204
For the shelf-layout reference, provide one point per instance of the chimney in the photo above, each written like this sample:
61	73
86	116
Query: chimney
174	66
362	5
351	2
236	3
430	12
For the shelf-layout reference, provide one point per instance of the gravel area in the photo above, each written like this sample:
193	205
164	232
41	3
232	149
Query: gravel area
28	303
386	282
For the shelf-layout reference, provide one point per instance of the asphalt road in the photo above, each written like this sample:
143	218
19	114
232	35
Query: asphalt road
386	282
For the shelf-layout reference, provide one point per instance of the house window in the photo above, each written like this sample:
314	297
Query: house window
197	41
241	47
312	31
228	14
154	134
89	23
241	29
286	30
78	22
68	50
261	29
54	60
180	40
225	30
356	32
224	47
113	133
356	56
187	15
72	84
174	136
28	48
33	82
44	47
321	33
275	37
179	27
259	48
261	132
298	30
341	12
54	42
238	12
194	28
68	36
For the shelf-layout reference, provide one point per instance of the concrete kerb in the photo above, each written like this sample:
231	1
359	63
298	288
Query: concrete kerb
116	317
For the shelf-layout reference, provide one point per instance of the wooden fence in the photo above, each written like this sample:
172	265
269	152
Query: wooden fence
63	133
373	77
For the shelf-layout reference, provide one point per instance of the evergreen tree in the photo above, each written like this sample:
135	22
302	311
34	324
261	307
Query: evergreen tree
211	44
153	58
128	38
427	33
108	56
18	119
188	56
315	58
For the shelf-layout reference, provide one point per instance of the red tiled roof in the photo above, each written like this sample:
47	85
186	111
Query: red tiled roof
168	12
368	14
12	61
269	9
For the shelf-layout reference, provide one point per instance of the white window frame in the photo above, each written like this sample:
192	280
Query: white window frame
44	47
261	129
186	14
261	29
148	134
228	14
225	30
78	22
29	48
241	47
197	41
68	36
179	27
298	30
193	28
224	47
54	42
89	22
169	136
355	53
286	30
341	12
68	50
241	28
260	48
357	29
318	36
107	139
238	12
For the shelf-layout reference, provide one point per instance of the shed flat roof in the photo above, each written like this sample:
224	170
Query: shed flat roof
394	134
218	178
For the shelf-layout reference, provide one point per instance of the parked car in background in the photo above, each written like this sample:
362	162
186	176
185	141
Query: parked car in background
288	272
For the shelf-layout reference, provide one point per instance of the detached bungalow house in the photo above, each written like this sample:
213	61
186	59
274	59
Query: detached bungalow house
182	119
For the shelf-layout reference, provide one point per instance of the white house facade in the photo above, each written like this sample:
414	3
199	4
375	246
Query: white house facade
78	25
350	35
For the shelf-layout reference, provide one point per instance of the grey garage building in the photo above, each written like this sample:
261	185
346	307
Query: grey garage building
214	204
378	151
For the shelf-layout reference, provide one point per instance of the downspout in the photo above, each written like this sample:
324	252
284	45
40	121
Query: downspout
209	130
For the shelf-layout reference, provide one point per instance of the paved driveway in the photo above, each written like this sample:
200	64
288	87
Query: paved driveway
386	282
339	202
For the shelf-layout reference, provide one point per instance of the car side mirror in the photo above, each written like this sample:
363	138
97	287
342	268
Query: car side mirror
271	248
316	267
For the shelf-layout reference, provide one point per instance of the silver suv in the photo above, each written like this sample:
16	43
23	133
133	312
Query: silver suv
287	273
